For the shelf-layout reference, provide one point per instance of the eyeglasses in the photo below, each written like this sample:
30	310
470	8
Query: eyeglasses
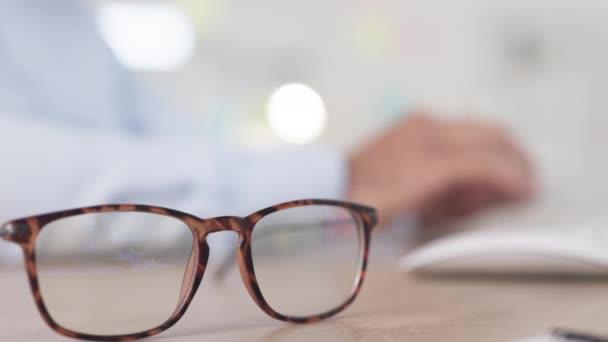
123	272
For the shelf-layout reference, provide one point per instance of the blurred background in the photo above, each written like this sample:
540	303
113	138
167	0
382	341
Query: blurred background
537	67
271	74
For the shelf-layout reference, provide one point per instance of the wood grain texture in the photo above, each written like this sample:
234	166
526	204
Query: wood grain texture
391	307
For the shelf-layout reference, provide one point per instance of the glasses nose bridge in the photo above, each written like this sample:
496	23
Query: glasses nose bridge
225	223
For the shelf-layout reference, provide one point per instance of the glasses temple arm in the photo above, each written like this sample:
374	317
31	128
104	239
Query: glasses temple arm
5	233
14	232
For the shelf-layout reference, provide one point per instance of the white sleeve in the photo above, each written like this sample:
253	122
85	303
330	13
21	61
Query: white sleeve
48	167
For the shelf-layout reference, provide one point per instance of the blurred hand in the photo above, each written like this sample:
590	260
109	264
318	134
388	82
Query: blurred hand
437	170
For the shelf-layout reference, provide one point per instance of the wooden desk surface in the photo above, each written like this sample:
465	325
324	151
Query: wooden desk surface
392	307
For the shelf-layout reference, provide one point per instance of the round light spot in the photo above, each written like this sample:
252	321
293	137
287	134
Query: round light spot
296	113
147	36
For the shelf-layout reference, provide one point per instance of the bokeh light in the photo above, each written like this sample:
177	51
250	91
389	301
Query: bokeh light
147	36
296	113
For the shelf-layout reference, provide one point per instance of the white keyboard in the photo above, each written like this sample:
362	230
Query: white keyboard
541	238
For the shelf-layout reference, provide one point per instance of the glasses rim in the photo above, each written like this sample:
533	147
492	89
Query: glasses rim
25	231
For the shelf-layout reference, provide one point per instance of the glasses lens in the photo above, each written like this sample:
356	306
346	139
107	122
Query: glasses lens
306	259
113	273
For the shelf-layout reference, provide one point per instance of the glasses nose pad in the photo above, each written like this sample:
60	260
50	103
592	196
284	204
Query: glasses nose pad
245	262
193	272
188	276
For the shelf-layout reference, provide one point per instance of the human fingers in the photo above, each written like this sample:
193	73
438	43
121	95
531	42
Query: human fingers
497	172
460	202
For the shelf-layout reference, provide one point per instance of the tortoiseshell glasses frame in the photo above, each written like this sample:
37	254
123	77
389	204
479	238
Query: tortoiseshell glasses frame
24	232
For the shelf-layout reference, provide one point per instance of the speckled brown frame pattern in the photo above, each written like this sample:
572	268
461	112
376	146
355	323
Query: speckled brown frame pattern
25	232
